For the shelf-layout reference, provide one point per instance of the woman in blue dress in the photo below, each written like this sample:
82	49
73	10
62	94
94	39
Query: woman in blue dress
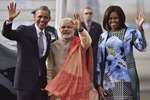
116	72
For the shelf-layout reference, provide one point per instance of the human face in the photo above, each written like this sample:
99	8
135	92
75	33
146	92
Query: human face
67	29
41	18
114	21
87	15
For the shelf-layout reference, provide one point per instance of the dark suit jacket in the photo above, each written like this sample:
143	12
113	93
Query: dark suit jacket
52	31
95	31
28	61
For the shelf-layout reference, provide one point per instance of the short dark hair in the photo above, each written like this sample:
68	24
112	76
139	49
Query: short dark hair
120	13
45	8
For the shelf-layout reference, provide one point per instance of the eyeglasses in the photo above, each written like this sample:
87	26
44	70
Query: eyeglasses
88	13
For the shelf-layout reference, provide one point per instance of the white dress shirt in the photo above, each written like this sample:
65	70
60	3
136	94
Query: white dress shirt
44	38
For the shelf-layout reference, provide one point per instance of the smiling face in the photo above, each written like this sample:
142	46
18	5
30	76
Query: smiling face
41	18
67	29
114	21
114	18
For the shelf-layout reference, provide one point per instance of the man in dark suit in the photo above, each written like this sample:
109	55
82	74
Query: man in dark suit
94	29
51	30
33	43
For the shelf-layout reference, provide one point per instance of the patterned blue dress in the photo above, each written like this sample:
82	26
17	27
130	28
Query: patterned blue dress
115	52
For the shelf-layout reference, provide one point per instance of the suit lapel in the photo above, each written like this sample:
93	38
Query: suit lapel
35	39
91	26
48	40
83	24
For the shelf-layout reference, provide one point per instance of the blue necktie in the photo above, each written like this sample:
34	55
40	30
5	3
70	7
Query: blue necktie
41	44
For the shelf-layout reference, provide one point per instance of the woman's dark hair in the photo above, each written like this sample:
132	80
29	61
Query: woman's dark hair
120	13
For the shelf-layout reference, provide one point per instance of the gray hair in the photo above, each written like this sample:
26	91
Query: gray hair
66	19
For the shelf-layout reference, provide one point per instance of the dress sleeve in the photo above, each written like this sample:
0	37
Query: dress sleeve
139	40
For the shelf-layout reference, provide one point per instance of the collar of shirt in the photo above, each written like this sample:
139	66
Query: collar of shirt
88	23
39	30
